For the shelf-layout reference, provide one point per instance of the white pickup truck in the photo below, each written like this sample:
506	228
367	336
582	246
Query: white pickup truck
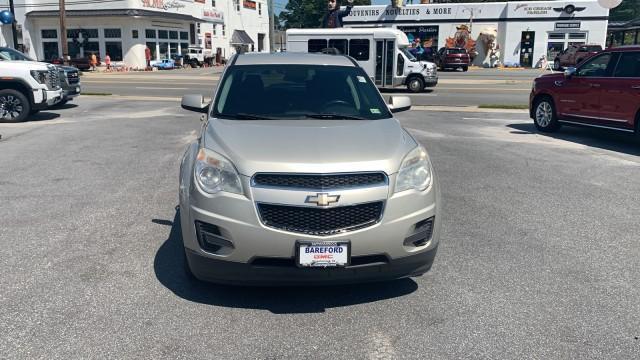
27	87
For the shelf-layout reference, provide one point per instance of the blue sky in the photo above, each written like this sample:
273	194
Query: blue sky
280	4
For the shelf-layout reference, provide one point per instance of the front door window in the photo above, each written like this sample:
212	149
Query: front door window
596	67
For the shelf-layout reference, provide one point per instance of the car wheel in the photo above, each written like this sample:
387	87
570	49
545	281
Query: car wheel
415	84
544	115
465	68
556	65
14	106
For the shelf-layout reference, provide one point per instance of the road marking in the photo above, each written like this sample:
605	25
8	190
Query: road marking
490	119
160	88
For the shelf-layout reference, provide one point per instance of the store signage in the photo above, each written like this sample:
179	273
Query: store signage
249	4
212	15
161	4
571	25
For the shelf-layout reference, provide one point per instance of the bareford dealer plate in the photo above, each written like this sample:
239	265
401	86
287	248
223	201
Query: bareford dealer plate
322	254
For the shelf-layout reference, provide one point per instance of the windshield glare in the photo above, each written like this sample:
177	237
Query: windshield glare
11	54
298	92
408	54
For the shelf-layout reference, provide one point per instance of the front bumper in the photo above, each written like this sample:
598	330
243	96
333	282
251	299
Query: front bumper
238	221
43	99
431	81
71	91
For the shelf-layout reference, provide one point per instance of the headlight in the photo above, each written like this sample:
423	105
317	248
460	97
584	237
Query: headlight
415	171
215	173
40	76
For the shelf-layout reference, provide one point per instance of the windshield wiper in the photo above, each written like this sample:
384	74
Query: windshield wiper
334	117
244	116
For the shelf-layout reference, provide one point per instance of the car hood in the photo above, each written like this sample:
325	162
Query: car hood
551	77
310	146
29	65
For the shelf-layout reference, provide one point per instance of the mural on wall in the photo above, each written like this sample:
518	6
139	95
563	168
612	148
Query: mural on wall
487	48
462	39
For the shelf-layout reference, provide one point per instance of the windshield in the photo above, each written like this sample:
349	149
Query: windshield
594	48
298	92
10	54
408	54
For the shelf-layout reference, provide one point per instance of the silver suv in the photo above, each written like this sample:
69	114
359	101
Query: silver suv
303	176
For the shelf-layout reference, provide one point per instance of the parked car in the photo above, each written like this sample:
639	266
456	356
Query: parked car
574	55
453	58
68	75
83	64
603	92
165	64
302	175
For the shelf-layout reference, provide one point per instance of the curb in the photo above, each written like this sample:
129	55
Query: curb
473	109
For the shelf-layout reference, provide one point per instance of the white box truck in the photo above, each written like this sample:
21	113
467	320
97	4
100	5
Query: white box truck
382	52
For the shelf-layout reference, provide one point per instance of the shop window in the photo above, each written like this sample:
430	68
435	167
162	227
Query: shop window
261	42
91	47
215	29
184	35
49	34
150	33
213	3
173	35
50	50
577	35
198	28
164	51
339	44
163	34
237	5
224	30
72	33
91	33
173	48
359	49
134	34
629	37
112	33
114	49
316	45
557	36
553	49
259	8
184	47
74	50
152	47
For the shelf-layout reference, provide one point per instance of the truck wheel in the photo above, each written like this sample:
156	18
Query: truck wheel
556	65
415	84
14	106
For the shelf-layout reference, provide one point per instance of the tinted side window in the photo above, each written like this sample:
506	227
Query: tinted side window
595	67
359	49
316	45
628	65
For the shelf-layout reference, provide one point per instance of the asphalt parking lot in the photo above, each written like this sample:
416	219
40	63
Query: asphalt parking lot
539	256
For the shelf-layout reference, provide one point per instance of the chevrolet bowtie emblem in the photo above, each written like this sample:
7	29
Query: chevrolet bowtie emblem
322	199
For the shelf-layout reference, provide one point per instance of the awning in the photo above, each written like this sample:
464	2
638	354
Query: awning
240	37
114	12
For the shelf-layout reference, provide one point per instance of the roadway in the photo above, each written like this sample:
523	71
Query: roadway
455	88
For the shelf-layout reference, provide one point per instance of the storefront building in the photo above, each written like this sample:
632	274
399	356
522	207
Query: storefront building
124	28
623	33
509	33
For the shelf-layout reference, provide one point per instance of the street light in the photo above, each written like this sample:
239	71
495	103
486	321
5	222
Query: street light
472	12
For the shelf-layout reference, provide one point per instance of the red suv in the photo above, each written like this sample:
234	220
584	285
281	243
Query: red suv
452	58
603	92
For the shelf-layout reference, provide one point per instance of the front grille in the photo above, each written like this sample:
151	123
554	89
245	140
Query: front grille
320	182
320	221
72	77
53	80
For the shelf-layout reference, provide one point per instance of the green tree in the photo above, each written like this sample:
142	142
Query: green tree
308	13
627	10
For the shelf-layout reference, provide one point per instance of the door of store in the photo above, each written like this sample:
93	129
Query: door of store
526	48
385	51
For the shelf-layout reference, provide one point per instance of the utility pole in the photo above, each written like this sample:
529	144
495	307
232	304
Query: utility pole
271	26
14	32
63	34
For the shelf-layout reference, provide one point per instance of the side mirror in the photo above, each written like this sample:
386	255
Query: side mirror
569	72
195	103
399	103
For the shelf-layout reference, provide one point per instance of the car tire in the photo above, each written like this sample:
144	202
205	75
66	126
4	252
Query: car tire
465	68
556	65
544	115
14	106
415	84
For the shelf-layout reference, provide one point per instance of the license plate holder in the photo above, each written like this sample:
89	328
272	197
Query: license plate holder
323	254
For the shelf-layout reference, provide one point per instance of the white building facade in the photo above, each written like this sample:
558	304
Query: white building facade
123	29
510	33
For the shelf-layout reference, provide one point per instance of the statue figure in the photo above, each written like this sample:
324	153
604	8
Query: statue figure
333	19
